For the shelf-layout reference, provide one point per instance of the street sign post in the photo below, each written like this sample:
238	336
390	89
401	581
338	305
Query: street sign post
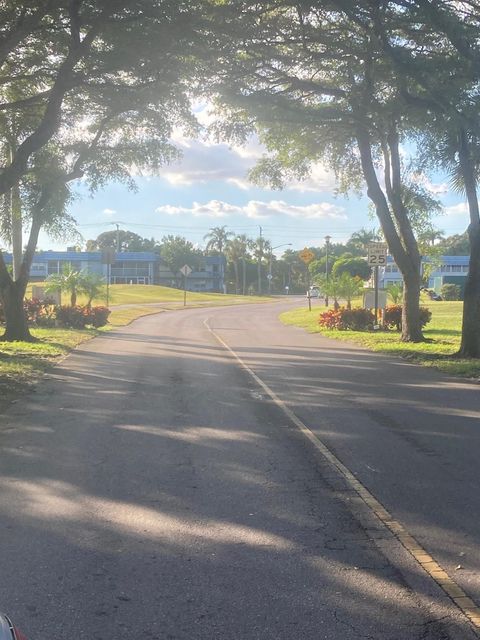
186	271
377	257
306	255
377	254
108	258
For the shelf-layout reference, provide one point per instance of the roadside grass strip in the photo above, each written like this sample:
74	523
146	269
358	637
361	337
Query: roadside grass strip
466	605
442	335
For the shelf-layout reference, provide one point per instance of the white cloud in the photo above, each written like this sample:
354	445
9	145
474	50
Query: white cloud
109	212
459	209
320	179
436	189
204	161
256	209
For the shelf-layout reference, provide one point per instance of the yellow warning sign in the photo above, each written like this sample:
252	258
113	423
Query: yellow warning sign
306	255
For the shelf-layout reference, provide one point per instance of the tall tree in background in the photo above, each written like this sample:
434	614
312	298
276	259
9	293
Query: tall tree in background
436	65
260	248
318	87
96	88
125	240
176	252
235	251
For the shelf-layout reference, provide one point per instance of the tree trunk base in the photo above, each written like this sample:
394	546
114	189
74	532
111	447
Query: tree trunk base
8	337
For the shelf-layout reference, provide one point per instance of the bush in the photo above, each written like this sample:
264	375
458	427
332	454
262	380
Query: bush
392	316
38	312
72	317
98	316
79	317
347	319
331	319
451	292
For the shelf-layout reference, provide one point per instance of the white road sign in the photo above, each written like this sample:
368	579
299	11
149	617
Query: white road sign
377	254
186	270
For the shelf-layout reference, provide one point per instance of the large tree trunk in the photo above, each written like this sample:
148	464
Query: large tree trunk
411	322
470	343
12	292
12	295
403	249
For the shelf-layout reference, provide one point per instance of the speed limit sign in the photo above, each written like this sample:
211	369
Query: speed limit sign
377	254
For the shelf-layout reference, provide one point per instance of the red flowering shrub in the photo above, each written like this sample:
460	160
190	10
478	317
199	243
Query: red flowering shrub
330	319
392	316
38	312
357	319
98	316
347	319
73	317
79	317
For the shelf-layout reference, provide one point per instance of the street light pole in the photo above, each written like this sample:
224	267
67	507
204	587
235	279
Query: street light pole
327	244
286	244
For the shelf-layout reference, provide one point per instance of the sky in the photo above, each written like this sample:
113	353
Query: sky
209	188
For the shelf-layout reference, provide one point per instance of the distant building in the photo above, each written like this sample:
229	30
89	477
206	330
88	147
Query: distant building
142	267
447	270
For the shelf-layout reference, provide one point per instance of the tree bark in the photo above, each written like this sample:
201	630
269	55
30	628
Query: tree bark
406	257
470	342
12	295
12	292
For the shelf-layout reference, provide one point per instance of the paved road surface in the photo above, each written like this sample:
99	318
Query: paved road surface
151	488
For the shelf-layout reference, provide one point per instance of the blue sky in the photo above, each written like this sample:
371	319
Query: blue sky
209	188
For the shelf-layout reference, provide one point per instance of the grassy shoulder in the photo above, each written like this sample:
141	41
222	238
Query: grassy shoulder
22	363
443	335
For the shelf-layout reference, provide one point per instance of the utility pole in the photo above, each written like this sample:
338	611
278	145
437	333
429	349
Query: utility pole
259	262
118	236
327	244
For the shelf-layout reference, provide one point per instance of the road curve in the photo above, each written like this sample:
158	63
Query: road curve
151	488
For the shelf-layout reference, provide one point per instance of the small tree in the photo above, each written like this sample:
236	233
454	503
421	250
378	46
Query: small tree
355	267
92	285
395	291
330	287
451	291
349	287
68	281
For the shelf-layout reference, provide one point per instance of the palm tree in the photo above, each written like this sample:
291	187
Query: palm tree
361	239
260	248
93	285
69	281
235	250
349	287
244	244
217	240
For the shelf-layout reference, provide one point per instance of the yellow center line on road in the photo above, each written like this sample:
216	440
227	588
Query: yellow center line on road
424	559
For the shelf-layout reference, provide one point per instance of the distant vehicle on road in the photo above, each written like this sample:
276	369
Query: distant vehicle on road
8	631
433	295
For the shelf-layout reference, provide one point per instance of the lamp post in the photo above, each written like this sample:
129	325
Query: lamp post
327	244
286	244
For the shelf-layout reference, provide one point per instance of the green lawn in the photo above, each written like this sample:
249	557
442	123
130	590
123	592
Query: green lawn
442	333
121	294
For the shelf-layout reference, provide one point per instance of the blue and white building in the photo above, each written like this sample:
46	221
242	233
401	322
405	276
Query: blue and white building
446	270
143	267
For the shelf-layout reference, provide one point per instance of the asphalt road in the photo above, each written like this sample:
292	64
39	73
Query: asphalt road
152	488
